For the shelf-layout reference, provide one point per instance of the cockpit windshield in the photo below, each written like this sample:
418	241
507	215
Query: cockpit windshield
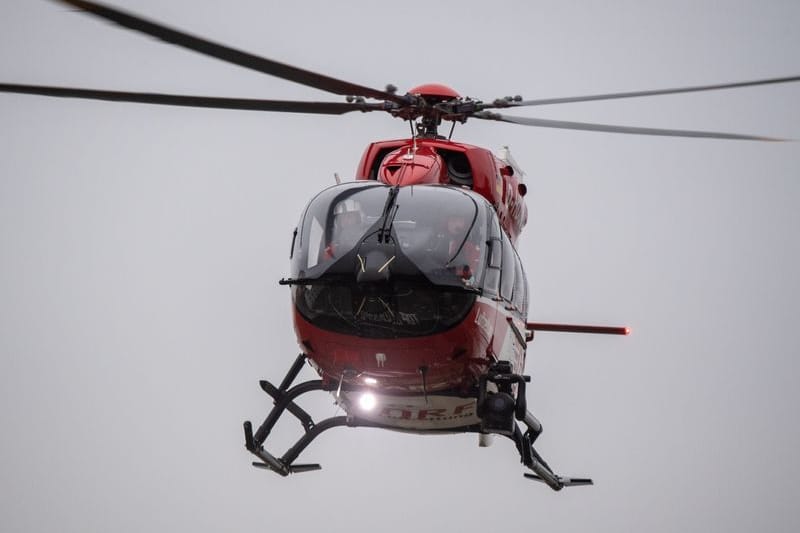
439	232
374	261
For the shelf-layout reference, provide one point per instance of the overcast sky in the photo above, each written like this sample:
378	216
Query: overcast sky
141	247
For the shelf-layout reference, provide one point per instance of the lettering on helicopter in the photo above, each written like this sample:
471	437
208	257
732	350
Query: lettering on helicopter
415	413
411	412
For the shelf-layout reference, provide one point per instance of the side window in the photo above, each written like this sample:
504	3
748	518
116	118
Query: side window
491	281
520	298
509	269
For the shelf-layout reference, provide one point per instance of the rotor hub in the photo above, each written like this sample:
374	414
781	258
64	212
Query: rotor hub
434	92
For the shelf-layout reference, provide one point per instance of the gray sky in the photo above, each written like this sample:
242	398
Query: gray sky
141	248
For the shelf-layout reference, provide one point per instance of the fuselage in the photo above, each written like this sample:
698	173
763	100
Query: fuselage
406	292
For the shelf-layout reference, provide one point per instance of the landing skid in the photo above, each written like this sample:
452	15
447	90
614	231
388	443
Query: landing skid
542	471
284	397
500	374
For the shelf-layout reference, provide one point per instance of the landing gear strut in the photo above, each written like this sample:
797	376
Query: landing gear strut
284	397
499	412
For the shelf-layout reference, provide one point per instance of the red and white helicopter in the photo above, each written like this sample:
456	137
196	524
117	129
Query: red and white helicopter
410	300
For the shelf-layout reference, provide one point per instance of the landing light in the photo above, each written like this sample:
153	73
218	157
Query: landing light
367	401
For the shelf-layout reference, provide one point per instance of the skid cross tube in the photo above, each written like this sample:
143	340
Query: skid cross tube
329	423
282	401
292	407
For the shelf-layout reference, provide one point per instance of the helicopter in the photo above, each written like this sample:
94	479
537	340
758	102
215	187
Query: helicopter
414	315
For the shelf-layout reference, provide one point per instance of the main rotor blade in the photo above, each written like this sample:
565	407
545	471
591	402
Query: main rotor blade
231	55
563	124
634	94
324	108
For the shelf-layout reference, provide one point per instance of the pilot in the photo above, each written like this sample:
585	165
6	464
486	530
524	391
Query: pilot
348	227
461	256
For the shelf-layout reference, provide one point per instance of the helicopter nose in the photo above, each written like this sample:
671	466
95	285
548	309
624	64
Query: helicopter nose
374	265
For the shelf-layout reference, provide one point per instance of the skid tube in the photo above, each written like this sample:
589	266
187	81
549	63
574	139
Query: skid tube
531	459
524	443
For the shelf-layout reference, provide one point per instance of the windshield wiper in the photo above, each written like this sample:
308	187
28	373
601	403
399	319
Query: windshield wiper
389	212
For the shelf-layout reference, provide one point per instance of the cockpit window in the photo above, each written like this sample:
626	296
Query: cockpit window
441	231
333	223
380	262
438	232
